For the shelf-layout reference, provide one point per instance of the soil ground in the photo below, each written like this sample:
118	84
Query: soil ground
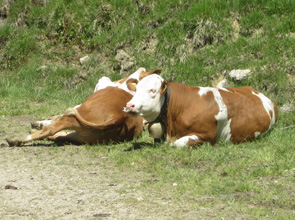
70	182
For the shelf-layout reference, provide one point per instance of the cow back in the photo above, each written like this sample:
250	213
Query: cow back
104	109
230	114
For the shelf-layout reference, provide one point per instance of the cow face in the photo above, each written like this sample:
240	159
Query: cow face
130	82
148	98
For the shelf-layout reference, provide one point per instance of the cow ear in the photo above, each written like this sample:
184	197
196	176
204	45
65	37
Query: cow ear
144	74
164	87
131	84
156	71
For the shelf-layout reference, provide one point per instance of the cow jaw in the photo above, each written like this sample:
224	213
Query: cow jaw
148	100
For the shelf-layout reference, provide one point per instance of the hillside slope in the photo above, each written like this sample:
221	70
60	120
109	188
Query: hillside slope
196	42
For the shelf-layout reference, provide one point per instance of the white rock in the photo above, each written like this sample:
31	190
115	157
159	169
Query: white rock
83	60
239	74
287	108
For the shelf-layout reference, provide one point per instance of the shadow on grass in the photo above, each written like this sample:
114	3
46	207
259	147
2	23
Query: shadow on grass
139	146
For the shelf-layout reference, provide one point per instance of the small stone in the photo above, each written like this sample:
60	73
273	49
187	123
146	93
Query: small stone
10	187
83	60
287	107
239	74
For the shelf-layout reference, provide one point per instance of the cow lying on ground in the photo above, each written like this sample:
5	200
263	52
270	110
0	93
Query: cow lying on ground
193	115
99	119
102	83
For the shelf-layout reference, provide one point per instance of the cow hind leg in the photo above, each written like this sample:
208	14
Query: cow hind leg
187	141
41	124
66	137
58	124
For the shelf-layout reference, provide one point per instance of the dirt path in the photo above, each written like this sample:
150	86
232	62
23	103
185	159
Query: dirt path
70	182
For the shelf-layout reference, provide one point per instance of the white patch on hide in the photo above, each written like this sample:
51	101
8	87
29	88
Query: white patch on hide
77	106
104	82
44	123
223	124
182	142
268	106
28	138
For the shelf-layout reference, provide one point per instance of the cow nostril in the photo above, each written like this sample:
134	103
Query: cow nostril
130	105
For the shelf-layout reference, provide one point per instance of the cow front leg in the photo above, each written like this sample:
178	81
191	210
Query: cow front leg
187	141
63	122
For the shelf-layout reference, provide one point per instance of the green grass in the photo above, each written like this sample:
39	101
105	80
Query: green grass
194	42
258	176
39	58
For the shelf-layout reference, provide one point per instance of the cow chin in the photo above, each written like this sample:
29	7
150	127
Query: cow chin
134	114
149	117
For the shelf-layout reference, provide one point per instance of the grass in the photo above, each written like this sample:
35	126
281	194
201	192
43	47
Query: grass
196	42
258	176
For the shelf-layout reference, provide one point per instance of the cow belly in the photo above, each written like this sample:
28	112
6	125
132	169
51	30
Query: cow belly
93	136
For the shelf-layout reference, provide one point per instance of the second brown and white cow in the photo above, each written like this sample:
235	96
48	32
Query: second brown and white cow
193	115
99	119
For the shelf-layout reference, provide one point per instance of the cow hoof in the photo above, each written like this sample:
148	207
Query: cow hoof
36	125
13	143
32	131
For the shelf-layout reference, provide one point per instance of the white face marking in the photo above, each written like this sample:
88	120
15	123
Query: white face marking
182	142
223	124
134	75
147	100
104	81
269	106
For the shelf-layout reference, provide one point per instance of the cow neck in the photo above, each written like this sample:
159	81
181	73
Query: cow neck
163	114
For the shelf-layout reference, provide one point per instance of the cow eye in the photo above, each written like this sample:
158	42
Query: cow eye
153	91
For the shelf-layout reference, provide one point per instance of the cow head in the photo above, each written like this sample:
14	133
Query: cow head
123	83
148	98
130	83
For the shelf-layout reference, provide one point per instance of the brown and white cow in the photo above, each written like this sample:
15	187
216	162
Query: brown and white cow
193	115
99	119
102	83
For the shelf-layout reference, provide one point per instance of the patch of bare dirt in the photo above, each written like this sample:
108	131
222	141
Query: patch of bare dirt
11	126
73	182
70	182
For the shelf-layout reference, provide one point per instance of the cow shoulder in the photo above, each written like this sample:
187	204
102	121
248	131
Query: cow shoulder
104	107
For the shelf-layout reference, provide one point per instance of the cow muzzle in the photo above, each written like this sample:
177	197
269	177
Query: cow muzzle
130	108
